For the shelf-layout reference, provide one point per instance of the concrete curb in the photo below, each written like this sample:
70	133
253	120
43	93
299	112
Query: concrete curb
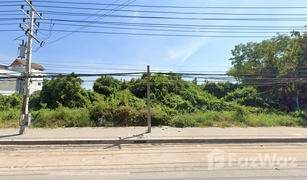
156	141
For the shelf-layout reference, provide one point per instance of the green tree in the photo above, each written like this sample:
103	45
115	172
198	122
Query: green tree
66	91
106	85
219	89
277	65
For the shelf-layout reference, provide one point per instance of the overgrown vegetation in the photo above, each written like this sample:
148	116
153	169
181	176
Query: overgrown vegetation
268	99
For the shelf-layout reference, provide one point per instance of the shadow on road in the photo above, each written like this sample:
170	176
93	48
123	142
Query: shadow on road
5	136
118	145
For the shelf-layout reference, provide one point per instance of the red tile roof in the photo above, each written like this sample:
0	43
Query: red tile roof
24	63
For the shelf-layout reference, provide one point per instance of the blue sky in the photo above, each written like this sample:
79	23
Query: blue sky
117	53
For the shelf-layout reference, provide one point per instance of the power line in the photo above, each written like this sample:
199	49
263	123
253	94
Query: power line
102	16
174	29
152	34
84	19
178	30
160	12
169	25
185	18
179	7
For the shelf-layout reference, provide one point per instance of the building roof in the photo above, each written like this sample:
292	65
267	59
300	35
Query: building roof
24	63
10	72
4	65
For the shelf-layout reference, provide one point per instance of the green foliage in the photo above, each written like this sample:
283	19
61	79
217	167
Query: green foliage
250	96
9	118
66	91
174	102
276	65
8	102
35	101
107	85
219	89
121	108
63	116
160	86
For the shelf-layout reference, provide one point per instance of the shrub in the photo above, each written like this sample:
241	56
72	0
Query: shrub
12	101
68	117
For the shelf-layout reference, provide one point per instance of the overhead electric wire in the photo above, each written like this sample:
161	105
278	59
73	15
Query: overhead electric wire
170	35
159	12
196	30
87	17
102	16
159	24
184	18
174	30
180	7
111	24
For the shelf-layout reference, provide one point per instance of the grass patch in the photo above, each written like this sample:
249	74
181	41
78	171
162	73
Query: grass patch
68	117
235	118
10	118
126	116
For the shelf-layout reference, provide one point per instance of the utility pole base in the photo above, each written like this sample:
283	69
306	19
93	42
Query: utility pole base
22	124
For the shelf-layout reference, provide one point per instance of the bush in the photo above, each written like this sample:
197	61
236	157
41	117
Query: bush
63	116
12	101
34	102
249	96
10	118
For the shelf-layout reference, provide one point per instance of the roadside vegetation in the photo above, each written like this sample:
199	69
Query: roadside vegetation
270	92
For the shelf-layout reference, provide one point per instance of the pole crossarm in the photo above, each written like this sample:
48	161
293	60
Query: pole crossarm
35	38
39	15
26	13
27	31
26	25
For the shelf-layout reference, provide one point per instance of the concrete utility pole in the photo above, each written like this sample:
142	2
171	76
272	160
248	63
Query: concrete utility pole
148	100
26	117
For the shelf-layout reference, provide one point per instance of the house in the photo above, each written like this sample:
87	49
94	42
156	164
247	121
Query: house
9	84
16	84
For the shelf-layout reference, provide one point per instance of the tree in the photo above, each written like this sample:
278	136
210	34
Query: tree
277	65
106	85
219	89
254	61
66	91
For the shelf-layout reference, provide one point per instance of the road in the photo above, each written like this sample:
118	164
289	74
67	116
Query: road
155	161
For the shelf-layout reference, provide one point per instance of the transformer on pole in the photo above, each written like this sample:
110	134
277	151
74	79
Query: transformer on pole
22	50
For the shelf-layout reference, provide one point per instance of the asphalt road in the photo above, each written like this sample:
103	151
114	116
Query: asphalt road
155	161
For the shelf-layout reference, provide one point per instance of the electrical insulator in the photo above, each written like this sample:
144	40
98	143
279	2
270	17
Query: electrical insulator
28	12
24	19
22	6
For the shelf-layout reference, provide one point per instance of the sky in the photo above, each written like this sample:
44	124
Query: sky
194	36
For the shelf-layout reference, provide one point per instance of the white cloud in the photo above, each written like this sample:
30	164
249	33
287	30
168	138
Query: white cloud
183	52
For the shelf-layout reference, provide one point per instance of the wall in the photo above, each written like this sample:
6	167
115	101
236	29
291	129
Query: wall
8	85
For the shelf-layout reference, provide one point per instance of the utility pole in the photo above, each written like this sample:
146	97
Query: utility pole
148	100
26	117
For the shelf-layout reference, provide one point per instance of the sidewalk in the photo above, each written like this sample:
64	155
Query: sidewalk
124	135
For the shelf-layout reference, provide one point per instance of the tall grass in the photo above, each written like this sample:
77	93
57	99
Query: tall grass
233	118
68	117
126	116
10	118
